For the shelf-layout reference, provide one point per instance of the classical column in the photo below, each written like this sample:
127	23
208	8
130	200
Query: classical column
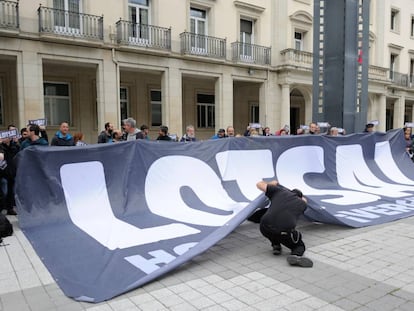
107	91
171	98
30	86
224	101
382	112
399	111
285	106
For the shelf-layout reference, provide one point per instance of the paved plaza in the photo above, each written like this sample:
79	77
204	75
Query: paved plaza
354	269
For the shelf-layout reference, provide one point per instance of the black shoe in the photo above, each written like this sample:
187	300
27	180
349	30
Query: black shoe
277	249
11	212
295	260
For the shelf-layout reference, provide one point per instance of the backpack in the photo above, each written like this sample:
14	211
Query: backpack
6	228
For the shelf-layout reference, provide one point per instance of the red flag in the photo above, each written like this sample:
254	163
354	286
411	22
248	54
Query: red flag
360	57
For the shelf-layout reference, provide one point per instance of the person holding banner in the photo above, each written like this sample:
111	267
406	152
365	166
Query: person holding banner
10	147
278	224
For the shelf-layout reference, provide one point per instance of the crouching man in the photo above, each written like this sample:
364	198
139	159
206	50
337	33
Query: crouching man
279	222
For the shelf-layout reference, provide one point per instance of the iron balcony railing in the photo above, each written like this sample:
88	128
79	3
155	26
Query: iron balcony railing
251	53
70	23
399	79
143	35
9	14
195	44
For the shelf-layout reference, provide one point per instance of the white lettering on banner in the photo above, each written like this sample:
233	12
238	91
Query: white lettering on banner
295	162
183	248
168	174
89	208
158	257
367	213
238	165
353	173
383	157
150	265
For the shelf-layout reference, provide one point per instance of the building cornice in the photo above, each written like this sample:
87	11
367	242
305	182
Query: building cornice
248	6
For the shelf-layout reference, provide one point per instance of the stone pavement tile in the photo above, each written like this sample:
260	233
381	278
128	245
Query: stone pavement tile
330	308
14	301
152	305
234	305
267	292
361	298
253	286
388	302
201	272
403	294
183	307
328	296
314	303
100	308
8	283
141	298
408	306
208	290
220	297
179	288
197	283
202	302
28	278
275	303
190	295
297	295
215	308
347	304
123	304
72	307
38	299
161	293
171	301
249	298
212	278
298	306
153	286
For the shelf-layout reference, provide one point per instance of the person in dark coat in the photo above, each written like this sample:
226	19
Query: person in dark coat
62	137
278	224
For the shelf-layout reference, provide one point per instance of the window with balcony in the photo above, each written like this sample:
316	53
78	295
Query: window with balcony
205	111
124	102
394	23
67	16
246	38
57	102
198	29
299	40
156	110
138	11
411	71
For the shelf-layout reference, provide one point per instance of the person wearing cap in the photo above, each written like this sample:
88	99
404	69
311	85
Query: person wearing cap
221	133
369	128
278	223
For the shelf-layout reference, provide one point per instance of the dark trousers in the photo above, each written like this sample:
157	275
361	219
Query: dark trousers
292	239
